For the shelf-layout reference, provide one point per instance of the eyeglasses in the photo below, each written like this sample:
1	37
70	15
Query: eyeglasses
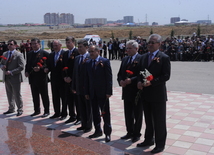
10	44
152	42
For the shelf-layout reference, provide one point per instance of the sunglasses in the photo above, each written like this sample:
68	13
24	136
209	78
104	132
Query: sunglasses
10	44
152	42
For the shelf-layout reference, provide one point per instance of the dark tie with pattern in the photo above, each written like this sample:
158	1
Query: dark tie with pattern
150	58
129	62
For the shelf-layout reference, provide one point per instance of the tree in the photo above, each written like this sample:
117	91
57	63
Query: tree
151	32
130	34
172	33
198	31
112	34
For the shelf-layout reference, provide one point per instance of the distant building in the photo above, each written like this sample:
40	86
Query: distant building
95	21
55	19
154	24
66	18
51	18
204	22
128	19
174	19
144	24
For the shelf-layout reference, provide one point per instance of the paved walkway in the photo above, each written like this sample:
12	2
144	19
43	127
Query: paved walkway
190	122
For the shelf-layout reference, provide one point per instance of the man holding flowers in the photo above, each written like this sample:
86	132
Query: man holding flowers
127	79
154	94
38	79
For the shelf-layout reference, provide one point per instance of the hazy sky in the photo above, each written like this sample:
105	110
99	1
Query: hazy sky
32	11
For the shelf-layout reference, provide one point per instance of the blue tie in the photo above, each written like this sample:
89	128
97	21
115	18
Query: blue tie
56	58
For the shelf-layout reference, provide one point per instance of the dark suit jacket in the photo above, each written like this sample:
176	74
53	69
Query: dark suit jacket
160	69
98	82
79	74
69	62
130	91
56	71
32	61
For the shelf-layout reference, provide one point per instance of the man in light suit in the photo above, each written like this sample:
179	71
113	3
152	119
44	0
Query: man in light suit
12	63
133	111
98	89
55	67
38	79
155	94
78	85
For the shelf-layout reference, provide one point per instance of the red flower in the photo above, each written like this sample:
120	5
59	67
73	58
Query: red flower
44	58
65	68
150	78
3	57
129	72
39	64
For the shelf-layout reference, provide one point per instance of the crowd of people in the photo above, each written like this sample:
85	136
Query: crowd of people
81	82
177	48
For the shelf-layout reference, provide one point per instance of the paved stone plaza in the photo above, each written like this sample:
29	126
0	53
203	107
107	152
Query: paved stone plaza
190	117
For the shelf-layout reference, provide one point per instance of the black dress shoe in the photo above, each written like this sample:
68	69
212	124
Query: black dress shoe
8	112
127	136
135	139
157	150
77	122
35	113
19	113
54	116
145	144
62	118
70	120
45	115
87	130
95	135
81	128
108	138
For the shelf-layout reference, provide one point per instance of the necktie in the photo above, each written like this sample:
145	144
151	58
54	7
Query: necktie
81	59
129	62
56	57
94	65
150	58
9	56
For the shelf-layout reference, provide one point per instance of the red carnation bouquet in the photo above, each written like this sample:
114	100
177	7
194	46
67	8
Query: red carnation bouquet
147	76
65	69
129	73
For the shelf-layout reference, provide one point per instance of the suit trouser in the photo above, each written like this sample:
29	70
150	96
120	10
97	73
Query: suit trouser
133	117
58	97
155	119
40	88
97	106
85	112
14	95
70	100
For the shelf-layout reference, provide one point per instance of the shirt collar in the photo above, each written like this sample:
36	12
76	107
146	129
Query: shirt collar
37	51
134	56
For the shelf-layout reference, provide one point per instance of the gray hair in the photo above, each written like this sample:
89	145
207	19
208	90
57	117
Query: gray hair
58	41
84	42
97	48
133	43
157	36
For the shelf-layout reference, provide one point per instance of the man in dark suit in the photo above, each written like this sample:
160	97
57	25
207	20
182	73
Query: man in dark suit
38	79
12	63
155	94
98	88
78	85
133	111
70	98
54	66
